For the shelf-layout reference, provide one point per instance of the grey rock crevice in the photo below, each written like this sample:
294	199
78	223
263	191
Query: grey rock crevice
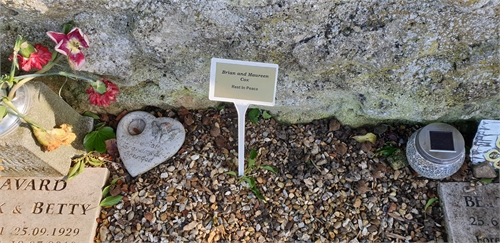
361	61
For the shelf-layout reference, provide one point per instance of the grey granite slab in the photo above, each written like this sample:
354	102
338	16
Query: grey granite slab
472	214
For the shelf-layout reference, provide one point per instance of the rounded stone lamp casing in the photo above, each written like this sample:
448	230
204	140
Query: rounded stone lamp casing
436	151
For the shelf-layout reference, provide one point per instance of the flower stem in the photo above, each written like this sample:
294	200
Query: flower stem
28	77
17	47
15	112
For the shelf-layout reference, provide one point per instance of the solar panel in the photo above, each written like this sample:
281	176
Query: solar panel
441	141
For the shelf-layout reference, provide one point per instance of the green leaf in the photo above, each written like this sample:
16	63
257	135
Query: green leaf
115	180
251	163
386	151
3	112
486	181
95	162
266	115
269	168
253	115
105	191
67	27
99	86
99	125
249	180
253	154
96	139
110	201
73	170
76	170
91	114
257	193
252	183
429	202
231	173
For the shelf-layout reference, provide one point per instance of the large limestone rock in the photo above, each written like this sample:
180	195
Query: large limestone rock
360	61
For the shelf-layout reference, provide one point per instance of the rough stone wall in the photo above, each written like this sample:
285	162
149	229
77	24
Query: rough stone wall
360	61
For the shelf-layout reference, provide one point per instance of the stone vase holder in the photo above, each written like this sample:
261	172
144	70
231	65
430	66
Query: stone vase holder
145	141
21	154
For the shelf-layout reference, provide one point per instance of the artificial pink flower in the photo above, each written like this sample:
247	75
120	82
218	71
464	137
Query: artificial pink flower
106	97
37	59
70	45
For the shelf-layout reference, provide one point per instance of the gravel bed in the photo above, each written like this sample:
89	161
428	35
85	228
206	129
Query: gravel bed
329	187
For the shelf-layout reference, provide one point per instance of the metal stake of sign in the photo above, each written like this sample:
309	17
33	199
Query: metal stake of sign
243	83
241	109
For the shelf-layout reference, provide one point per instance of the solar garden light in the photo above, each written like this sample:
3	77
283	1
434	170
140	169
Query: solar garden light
436	151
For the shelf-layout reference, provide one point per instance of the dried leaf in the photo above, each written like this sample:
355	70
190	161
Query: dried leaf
362	187
114	190
52	139
112	147
366	147
341	148
461	174
206	120
220	142
334	125
188	119
215	131
118	118
148	216
369	137
182	112
392	207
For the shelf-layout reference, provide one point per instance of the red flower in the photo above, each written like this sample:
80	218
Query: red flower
70	45
37	59
106	97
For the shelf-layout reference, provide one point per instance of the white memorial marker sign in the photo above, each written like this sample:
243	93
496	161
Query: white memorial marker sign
243	83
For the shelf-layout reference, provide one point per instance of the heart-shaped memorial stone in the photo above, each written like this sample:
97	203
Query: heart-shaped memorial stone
145	141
